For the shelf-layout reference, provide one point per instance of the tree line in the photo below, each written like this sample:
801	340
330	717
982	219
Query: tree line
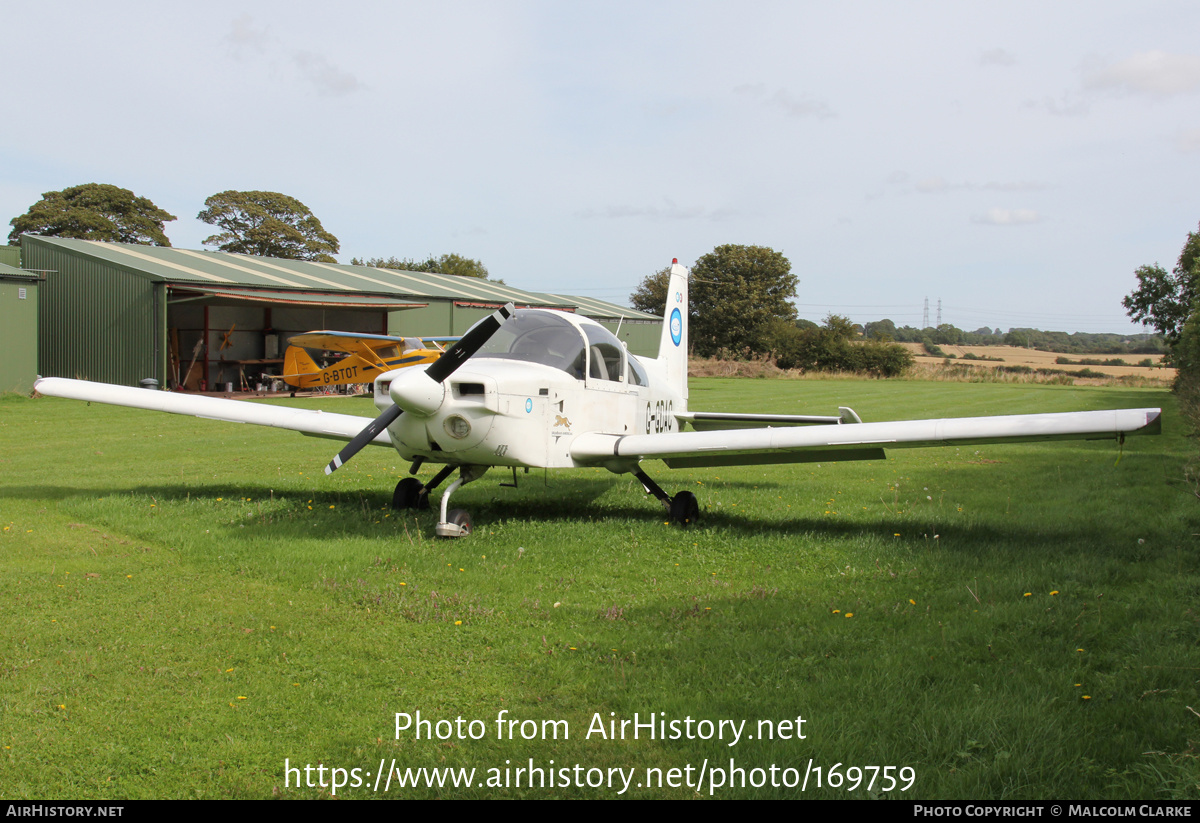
1169	302
262	223
740	307
741	296
1027	338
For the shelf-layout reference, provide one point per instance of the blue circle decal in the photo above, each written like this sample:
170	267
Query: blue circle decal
676	326
528	405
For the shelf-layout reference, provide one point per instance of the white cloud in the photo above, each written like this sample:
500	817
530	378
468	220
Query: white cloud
795	106
938	185
1188	141
997	57
669	211
1069	105
1153	72
801	106
246	38
1007	217
328	78
750	89
243	35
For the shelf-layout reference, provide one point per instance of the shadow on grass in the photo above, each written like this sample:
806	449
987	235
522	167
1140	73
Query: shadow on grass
289	514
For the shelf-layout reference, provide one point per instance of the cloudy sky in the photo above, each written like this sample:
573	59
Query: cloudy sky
1015	161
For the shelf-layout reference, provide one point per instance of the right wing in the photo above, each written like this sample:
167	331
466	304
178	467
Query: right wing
857	441
312	422
708	421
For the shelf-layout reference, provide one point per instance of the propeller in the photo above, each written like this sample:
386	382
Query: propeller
438	371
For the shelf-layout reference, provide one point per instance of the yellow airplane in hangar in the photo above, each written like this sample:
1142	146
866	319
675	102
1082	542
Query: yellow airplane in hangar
367	356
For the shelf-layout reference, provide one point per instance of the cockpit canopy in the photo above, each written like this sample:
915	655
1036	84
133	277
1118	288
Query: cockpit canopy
551	339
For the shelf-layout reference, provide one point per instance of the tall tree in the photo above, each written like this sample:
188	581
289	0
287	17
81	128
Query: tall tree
454	264
268	224
1164	300
94	211
884	330
735	293
651	293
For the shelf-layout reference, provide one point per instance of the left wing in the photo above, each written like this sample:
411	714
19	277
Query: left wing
857	441
306	421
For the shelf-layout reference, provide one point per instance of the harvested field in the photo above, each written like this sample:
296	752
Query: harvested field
1015	356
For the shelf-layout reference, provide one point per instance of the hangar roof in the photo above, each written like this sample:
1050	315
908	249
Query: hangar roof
182	293
213	270
592	307
18	274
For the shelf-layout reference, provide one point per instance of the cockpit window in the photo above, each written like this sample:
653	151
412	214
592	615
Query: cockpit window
538	337
637	375
606	355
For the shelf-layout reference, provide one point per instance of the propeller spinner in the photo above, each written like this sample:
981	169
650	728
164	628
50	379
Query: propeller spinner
438	371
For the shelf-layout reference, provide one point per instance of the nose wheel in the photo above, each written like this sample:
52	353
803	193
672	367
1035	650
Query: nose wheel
460	520
456	522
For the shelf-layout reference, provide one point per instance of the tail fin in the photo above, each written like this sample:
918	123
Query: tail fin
296	365
673	345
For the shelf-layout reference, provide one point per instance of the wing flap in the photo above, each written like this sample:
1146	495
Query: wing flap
711	421
730	446
764	458
306	421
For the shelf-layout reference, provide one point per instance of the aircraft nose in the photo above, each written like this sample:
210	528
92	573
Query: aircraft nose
416	393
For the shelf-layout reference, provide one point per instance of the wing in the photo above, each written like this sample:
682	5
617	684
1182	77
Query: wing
856	441
352	342
342	341
306	421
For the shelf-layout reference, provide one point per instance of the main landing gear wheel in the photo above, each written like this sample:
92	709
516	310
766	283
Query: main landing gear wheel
408	495
684	509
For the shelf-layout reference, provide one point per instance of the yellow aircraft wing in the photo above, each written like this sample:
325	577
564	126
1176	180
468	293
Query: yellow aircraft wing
367	355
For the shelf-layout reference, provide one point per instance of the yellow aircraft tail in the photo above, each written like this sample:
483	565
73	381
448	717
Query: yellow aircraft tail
297	364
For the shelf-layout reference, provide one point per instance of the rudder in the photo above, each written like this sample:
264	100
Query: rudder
673	345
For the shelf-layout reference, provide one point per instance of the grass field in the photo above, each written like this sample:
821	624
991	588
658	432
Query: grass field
190	604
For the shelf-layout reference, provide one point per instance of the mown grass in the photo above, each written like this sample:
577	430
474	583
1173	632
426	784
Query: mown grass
188	603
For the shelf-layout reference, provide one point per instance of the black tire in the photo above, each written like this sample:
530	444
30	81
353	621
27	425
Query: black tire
460	518
684	509
408	496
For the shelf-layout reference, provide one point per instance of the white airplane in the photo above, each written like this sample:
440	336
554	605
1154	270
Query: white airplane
539	388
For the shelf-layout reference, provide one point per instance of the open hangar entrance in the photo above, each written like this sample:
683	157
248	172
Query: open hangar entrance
231	338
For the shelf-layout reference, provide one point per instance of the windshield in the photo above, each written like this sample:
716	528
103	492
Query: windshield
538	337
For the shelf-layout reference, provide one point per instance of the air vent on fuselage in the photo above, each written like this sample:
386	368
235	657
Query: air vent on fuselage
468	389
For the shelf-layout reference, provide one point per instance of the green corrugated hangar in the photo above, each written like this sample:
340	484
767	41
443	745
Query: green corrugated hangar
18	328
121	313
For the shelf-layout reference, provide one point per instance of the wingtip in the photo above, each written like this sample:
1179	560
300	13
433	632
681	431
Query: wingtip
1154	421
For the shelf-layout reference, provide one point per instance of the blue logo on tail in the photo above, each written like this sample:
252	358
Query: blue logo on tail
676	326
